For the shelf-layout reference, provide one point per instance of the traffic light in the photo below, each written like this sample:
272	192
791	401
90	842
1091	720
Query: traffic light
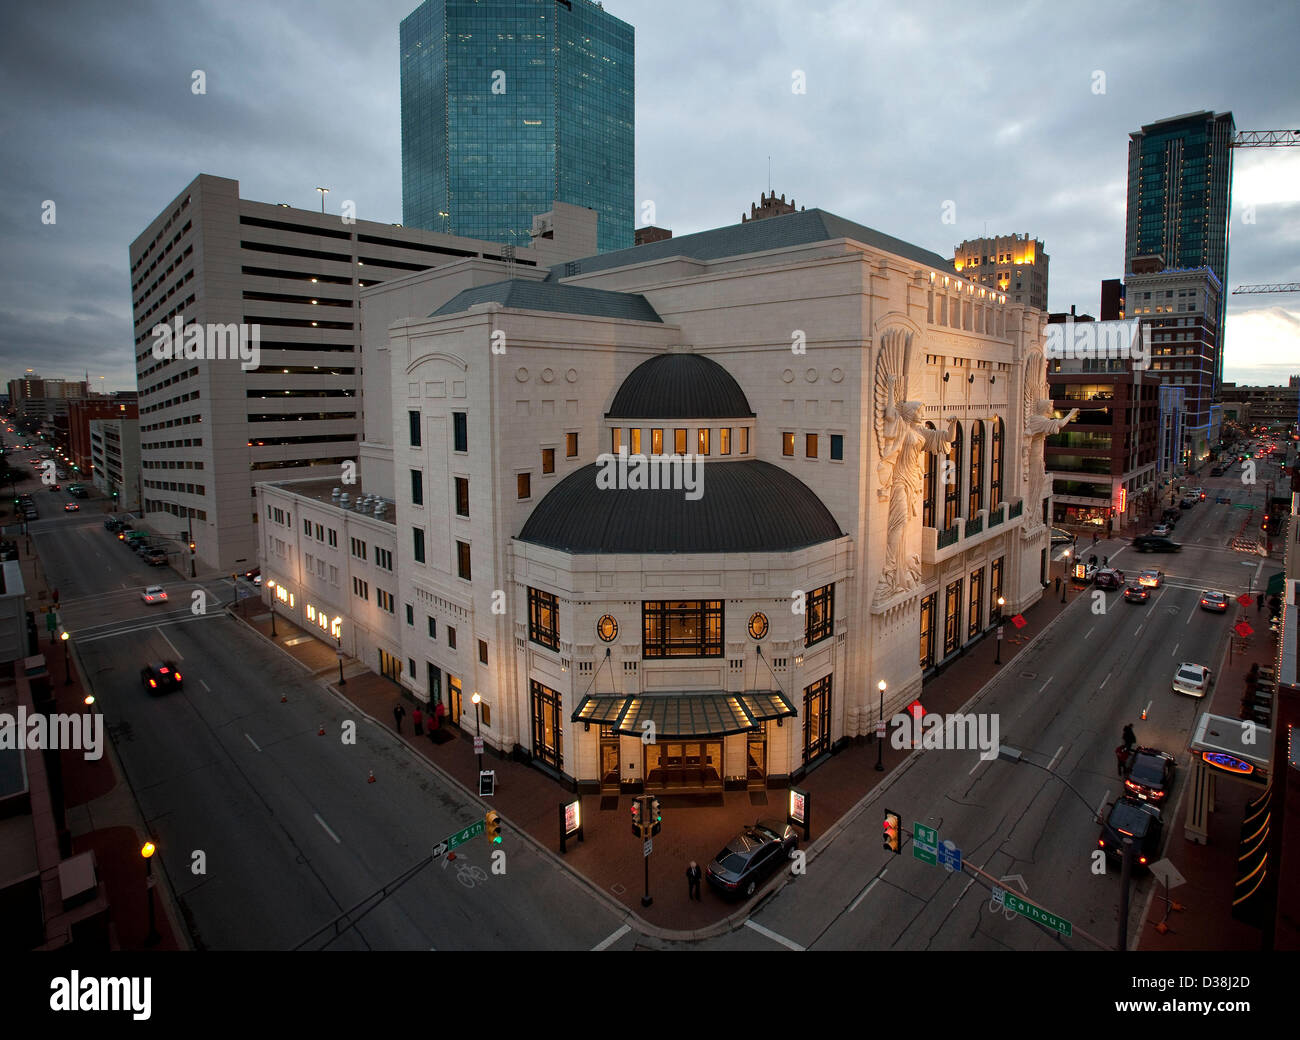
656	816
893	842
636	818
191	546
492	826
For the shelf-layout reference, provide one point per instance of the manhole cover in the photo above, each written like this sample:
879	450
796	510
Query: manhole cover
1029	675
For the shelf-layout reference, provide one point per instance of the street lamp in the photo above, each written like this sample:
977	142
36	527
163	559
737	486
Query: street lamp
337	626
1001	603
880	744
1065	578
67	674
147	851
478	730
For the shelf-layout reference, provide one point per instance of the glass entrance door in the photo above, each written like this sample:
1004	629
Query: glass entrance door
609	760
455	706
756	757
684	766
817	719
548	726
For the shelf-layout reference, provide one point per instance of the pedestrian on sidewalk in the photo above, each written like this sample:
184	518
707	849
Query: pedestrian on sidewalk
1121	756
693	881
438	714
1259	602
1130	738
398	713
417	720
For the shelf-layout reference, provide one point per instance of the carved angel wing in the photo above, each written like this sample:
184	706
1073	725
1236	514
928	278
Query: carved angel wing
894	359
1035	378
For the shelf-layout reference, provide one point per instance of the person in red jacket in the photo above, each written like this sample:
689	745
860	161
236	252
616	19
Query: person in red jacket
417	720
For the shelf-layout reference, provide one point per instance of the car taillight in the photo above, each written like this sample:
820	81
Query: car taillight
1131	785
153	682
1142	860
1157	794
177	676
163	670
1101	842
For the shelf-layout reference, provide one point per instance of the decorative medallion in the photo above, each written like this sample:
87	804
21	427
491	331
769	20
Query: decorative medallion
607	628
757	625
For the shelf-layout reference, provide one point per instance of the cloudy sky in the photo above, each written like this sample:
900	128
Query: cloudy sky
993	107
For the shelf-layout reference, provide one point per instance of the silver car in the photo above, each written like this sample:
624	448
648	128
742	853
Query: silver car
1192	679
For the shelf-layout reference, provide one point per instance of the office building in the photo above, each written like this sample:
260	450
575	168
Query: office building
82	413
44	400
510	106
1012	264
115	460
1183	308
1179	192
1276	408
287	281
579	611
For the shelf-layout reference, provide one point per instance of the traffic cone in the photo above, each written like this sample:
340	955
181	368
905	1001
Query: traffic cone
322	729
1144	714
284	698
371	778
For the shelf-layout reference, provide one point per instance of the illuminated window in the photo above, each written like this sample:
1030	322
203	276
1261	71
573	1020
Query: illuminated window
787	444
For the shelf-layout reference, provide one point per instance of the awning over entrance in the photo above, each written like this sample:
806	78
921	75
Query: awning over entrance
684	715
1276	583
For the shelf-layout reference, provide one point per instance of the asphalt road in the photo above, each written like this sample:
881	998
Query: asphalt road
287	830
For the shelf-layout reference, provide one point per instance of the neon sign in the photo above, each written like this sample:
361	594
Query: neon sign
1227	763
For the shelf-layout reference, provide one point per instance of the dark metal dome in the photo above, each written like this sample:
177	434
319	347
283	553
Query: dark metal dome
747	506
680	386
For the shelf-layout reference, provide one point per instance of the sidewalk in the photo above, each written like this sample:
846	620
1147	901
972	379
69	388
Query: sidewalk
610	859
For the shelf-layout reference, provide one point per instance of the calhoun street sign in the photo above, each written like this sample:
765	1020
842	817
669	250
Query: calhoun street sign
1015	904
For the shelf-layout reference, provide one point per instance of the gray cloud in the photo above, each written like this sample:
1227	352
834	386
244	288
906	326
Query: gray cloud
992	109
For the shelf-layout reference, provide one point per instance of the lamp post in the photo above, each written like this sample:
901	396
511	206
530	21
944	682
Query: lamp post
478	727
147	851
1001	603
323	193
1065	579
67	673
338	633
880	744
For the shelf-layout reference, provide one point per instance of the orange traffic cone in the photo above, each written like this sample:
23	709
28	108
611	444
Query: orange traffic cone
371	778
322	729
1144	714
284	698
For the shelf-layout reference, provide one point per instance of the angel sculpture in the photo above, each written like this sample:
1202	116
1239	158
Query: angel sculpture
902	439
1040	422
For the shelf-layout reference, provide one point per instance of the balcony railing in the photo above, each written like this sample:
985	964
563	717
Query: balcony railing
1017	509
947	536
974	525
997	516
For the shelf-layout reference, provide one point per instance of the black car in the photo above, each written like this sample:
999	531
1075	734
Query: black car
1151	776
1136	594
750	857
113	525
1154	543
160	677
1130	818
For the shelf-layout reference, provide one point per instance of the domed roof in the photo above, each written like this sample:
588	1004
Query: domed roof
746	506
680	386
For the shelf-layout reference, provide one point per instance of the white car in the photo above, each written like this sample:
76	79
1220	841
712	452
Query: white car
1192	679
154	594
1162	530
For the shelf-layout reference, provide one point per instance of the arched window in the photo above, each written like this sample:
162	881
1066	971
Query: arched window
975	502
995	468
929	503
952	481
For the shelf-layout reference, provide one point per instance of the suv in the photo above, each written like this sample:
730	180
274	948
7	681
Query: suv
1150	776
155	556
1139	821
751	856
1154	543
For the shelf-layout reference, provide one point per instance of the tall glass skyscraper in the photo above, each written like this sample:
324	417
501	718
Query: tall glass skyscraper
1179	191
509	106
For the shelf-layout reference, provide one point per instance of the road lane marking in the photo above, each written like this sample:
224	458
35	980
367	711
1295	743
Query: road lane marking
1087	634
254	743
789	944
978	762
1104	799
171	644
1046	684
1059	750
205	686
1138	629
1174	651
1190	614
1106	680
337	839
863	894
610	940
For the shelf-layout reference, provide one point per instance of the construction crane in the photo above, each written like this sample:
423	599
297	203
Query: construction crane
1279	287
1266	139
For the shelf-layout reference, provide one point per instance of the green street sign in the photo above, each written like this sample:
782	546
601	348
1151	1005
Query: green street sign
460	837
1014	903
925	844
51	620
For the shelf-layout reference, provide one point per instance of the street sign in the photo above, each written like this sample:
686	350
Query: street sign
1243	629
1019	906
1019	621
460	837
487	783
925	841
51	620
478	745
949	857
439	849
648	847
880	729
1243	599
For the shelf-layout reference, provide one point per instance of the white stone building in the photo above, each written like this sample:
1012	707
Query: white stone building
781	352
